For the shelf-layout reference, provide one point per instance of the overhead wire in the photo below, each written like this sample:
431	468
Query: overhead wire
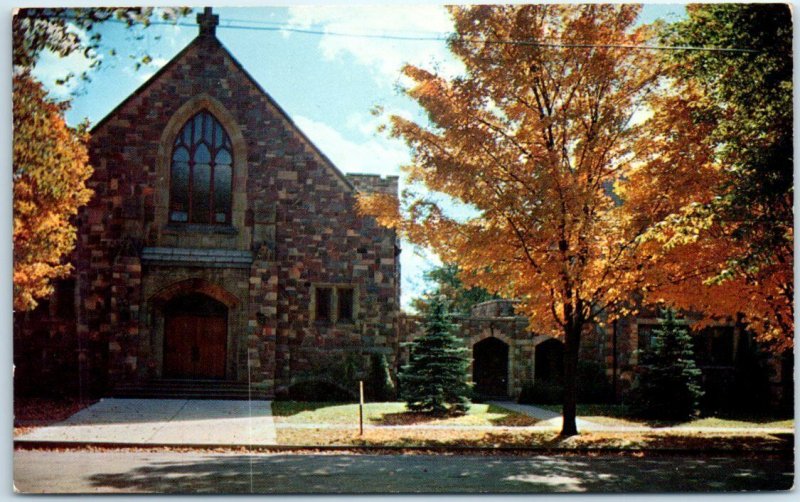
282	27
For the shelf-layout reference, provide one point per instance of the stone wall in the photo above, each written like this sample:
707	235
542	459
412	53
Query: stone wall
511	330
373	183
497	318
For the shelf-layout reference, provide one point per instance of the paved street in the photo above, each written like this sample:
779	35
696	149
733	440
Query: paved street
167	472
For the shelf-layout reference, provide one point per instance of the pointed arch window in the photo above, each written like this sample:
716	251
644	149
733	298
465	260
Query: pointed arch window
201	173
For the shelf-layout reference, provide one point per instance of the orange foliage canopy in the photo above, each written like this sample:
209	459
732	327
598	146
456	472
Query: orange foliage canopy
533	137
583	211
50	170
689	244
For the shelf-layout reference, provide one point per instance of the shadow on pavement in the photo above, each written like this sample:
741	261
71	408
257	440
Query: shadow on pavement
453	474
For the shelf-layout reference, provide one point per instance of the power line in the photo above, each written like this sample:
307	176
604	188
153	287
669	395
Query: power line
277	27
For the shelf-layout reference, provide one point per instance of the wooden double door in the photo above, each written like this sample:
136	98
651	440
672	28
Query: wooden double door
195	338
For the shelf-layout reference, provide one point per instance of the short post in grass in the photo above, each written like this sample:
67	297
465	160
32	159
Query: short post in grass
360	407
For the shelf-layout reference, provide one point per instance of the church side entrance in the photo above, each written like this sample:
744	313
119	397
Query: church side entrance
195	337
490	368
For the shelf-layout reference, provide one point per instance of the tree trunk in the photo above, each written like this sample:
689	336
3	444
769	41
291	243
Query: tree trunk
572	340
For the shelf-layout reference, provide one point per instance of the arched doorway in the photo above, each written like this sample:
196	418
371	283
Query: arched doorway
490	367
195	337
549	364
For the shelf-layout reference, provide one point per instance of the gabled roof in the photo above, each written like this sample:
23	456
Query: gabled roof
322	157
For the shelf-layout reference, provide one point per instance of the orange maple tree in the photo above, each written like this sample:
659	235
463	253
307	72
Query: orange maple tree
689	244
49	173
532	139
717	171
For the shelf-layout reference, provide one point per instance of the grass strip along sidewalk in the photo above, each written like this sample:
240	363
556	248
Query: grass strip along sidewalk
544	440
619	415
488	426
458	432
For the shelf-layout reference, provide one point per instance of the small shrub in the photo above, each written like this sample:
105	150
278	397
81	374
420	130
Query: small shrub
319	390
379	382
593	384
331	377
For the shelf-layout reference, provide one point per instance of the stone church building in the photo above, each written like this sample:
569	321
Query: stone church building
222	252
220	243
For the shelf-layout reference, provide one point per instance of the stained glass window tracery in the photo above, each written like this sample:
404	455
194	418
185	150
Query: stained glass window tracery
201	173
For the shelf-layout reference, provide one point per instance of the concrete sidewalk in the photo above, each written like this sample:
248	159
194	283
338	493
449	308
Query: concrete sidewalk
242	423
166	422
552	419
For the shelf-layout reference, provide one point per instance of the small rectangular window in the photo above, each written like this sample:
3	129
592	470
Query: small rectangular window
345	308
323	304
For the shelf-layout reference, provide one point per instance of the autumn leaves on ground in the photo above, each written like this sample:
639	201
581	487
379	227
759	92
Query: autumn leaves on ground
454	431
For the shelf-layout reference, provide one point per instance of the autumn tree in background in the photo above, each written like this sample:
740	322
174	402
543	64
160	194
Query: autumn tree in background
50	168
718	170
50	162
533	137
446	283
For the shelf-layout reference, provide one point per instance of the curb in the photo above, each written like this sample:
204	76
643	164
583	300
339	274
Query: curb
394	450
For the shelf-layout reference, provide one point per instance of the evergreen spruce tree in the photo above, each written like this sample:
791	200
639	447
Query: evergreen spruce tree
668	386
435	379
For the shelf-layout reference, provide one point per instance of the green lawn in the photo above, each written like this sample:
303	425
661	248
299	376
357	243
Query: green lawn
294	412
616	414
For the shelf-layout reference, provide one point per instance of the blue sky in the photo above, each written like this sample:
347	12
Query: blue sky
327	83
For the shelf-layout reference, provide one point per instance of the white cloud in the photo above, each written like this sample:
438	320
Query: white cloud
384	56
52	67
366	126
414	262
374	156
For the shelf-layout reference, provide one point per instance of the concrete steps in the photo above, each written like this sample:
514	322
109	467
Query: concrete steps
189	389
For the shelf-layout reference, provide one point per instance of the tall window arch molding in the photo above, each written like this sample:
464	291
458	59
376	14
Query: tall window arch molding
201	173
180	143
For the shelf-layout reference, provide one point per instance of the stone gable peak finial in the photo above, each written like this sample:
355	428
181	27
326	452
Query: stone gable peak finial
208	22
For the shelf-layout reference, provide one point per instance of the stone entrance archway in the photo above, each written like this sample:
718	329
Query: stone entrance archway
195	337
490	367
193	313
